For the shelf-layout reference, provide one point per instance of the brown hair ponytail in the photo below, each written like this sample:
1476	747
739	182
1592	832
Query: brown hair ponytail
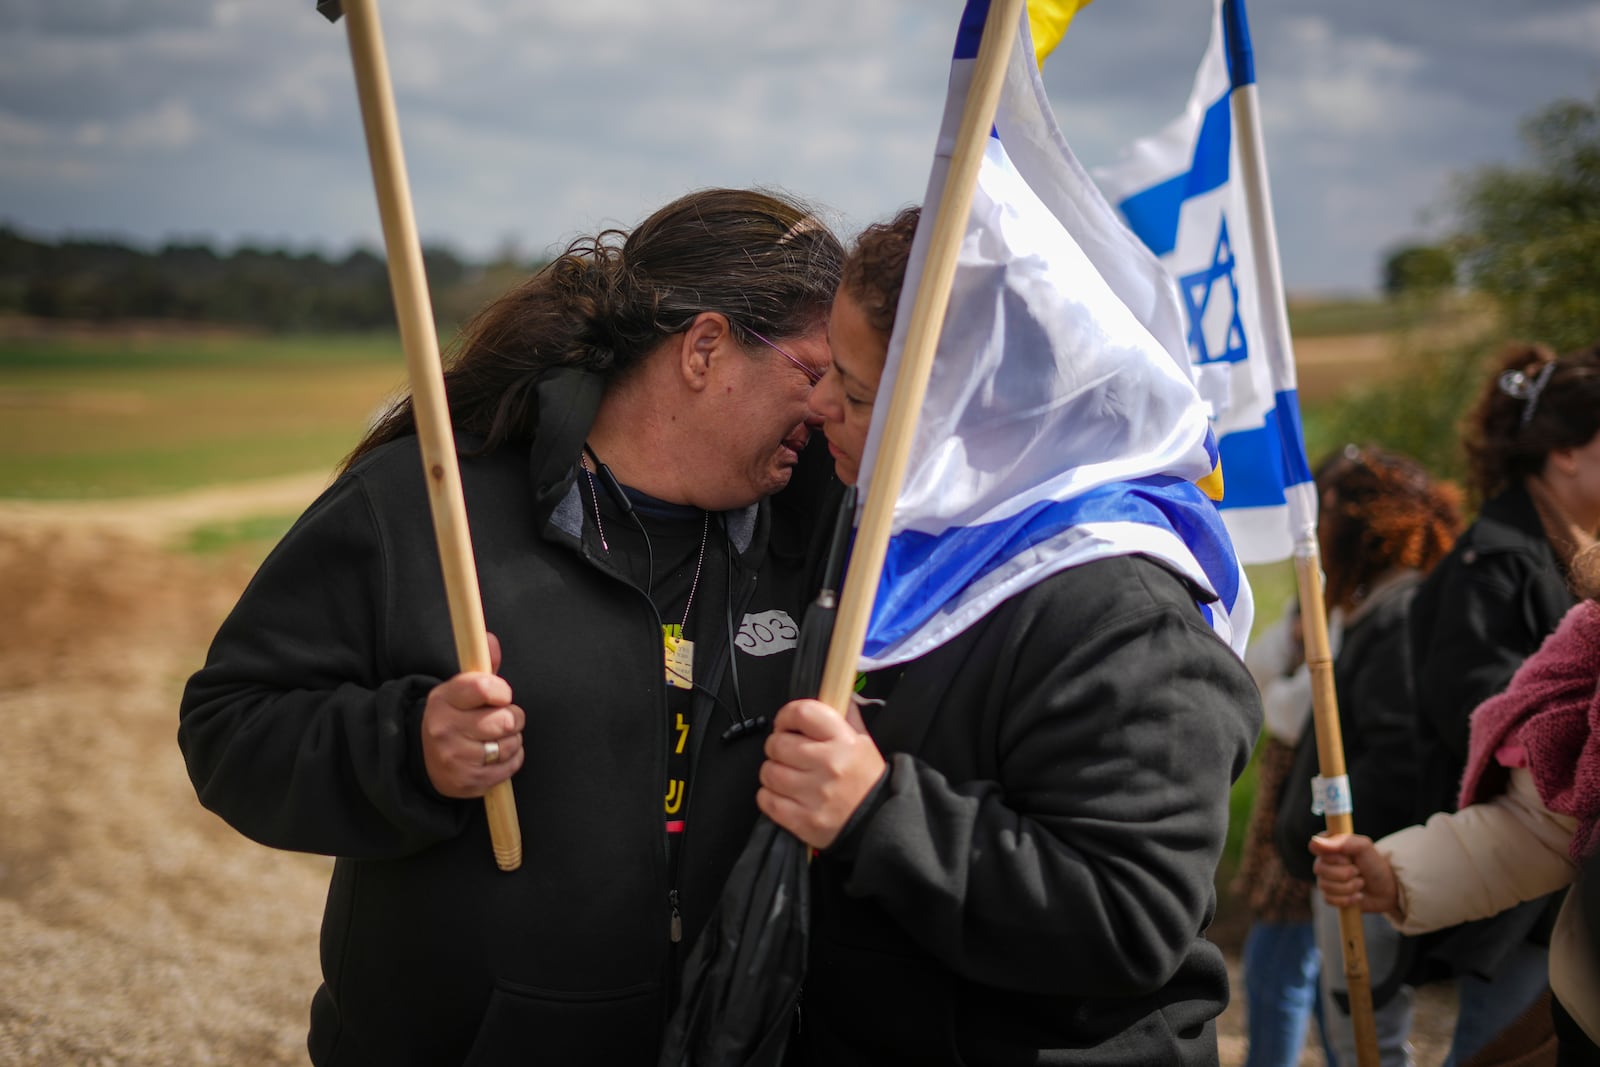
607	301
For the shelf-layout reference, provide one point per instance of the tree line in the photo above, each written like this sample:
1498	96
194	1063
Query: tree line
103	281
1521	238
1524	235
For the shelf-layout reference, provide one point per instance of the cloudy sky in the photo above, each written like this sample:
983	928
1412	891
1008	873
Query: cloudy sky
526	122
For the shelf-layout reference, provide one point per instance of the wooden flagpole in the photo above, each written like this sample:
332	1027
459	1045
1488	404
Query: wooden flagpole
1307	556
420	341
916	361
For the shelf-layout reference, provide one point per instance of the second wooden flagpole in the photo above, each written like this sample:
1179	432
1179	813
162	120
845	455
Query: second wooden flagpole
420	341
1307	557
916	360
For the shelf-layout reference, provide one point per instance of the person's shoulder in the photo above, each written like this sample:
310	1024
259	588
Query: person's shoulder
388	462
1508	525
1117	587
397	465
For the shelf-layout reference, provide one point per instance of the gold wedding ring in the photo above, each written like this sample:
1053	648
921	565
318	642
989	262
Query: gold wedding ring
491	752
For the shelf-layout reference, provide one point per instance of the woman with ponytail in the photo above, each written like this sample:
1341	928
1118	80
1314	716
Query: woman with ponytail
622	419
1533	451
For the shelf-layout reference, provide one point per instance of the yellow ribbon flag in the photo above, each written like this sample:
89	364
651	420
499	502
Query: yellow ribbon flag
1048	20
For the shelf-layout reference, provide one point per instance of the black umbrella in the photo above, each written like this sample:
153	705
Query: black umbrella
742	979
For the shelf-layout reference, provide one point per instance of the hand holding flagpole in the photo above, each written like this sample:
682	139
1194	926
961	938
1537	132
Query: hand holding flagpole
922	339
1307	556
417	336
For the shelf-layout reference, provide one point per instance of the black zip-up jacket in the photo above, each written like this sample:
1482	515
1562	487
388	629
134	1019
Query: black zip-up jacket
1030	882
302	731
1376	690
1485	608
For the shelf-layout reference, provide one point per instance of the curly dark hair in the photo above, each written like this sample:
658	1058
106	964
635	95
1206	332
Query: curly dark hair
875	270
1380	510
1532	405
763	259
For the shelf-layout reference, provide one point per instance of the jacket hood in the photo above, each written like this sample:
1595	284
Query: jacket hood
568	400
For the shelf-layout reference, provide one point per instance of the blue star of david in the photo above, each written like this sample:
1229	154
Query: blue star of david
1198	289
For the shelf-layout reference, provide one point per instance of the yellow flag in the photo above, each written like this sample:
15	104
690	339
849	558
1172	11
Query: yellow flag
1048	20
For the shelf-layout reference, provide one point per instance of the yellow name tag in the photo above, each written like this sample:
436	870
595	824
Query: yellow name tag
679	658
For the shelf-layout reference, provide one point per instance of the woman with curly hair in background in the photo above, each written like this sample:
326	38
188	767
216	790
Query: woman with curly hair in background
1384	523
1533	452
1528	825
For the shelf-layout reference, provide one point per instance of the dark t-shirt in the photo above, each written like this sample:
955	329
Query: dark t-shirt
678	555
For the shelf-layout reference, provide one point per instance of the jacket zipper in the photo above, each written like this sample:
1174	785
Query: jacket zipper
674	914
674	905
701	725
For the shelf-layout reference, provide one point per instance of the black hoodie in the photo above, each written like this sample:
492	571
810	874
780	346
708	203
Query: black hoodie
1031	881
302	731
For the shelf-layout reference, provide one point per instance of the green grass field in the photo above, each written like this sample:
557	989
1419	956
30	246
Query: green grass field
115	417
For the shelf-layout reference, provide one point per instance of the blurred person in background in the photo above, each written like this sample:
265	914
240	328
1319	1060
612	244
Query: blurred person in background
1533	450
1383	523
1279	960
1527	825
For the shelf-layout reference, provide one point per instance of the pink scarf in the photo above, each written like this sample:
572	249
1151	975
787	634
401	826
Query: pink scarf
1552	709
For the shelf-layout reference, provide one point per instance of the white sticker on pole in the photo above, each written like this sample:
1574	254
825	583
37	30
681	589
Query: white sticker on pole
1331	796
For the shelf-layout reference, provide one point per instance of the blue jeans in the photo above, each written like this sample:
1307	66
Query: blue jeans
1280	988
1392	1019
1487	1007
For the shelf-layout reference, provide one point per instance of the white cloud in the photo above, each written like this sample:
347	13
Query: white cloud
170	125
1348	84
20	135
1576	30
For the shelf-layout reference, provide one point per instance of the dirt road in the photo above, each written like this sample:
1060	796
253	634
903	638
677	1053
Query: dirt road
138	929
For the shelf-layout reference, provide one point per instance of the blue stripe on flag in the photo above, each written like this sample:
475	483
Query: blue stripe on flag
1213	452
970	31
1294	436
924	572
1257	464
1153	213
1241	57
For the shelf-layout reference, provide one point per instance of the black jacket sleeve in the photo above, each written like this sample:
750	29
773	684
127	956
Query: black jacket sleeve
291	731
1484	626
1376	693
1085	866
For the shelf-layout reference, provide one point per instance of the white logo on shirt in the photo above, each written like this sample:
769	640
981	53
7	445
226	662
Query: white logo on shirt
768	633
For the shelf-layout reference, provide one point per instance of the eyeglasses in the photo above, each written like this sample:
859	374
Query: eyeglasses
812	374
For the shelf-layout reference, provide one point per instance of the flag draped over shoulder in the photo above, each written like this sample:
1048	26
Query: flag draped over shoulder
1181	191
1060	424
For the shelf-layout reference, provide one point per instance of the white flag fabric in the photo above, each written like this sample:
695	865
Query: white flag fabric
1181	192
1060	424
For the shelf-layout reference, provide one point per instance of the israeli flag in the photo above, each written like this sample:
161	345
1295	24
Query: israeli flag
1060	424
1180	191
